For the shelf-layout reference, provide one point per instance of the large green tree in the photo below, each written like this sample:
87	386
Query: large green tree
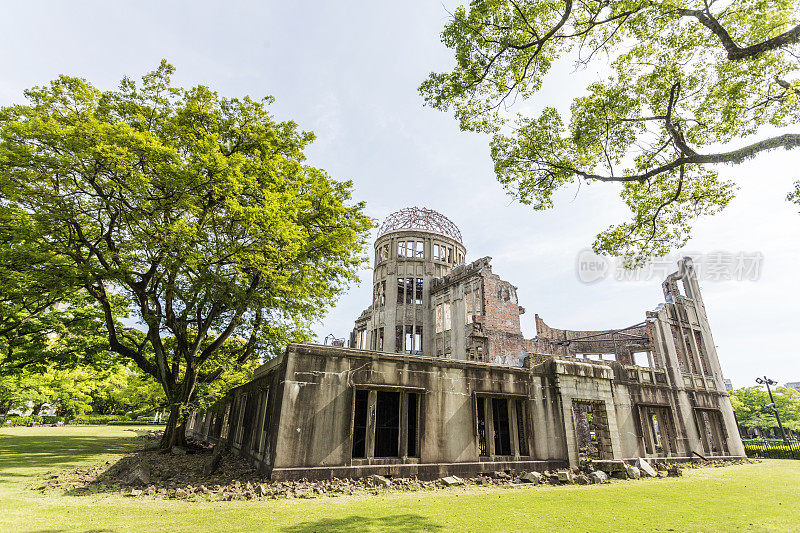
199	209
686	85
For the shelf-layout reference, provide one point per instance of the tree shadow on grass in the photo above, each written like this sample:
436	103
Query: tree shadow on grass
400	522
48	451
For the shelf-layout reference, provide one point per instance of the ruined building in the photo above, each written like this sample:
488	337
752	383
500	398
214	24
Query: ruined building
438	379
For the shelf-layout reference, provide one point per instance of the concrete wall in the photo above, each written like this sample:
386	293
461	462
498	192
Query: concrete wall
308	394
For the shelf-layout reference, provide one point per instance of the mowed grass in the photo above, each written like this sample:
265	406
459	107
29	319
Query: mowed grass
756	497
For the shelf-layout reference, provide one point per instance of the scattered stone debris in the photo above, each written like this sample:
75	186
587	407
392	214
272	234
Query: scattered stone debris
674	471
150	473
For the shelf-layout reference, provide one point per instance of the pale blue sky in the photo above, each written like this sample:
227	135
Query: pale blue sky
349	71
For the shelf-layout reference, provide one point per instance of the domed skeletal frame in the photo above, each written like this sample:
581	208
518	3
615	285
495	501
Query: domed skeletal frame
420	218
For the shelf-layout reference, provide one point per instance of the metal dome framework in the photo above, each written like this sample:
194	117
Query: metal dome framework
419	218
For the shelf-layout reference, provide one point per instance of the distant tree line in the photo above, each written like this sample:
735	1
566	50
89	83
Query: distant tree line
750	404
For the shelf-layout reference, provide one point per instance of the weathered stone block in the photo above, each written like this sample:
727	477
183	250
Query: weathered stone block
598	476
380	481
531	477
608	465
451	481
633	472
566	476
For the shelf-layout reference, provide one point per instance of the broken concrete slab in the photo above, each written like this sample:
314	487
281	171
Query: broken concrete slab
645	468
451	481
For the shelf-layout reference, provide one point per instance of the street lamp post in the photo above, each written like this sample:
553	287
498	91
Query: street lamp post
766	381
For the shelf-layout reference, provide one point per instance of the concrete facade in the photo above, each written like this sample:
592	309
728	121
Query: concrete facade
439	379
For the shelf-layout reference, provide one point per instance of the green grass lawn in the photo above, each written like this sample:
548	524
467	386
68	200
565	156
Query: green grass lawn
755	497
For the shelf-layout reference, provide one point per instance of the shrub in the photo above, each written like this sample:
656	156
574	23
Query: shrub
98	419
781	451
22	420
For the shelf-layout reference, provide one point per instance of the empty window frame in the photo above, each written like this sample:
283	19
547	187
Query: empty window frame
379	297
360	423
677	342
698	338
442	253
380	339
502	431
401	248
418	291
522	428
387	424
501	426
657	429
712	431
409	339
409	290
393	431
361	339
401	290
419	250
592	436
644	359
382	253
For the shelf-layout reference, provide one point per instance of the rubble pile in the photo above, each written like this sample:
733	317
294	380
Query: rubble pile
181	475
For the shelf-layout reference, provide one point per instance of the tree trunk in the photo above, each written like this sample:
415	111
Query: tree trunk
175	431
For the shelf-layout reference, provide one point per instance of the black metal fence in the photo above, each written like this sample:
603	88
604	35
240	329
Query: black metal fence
768	450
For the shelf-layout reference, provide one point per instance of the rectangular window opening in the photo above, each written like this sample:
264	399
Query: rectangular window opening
398	339
502	435
483	448
411	446
521	433
418	291
360	424
387	424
